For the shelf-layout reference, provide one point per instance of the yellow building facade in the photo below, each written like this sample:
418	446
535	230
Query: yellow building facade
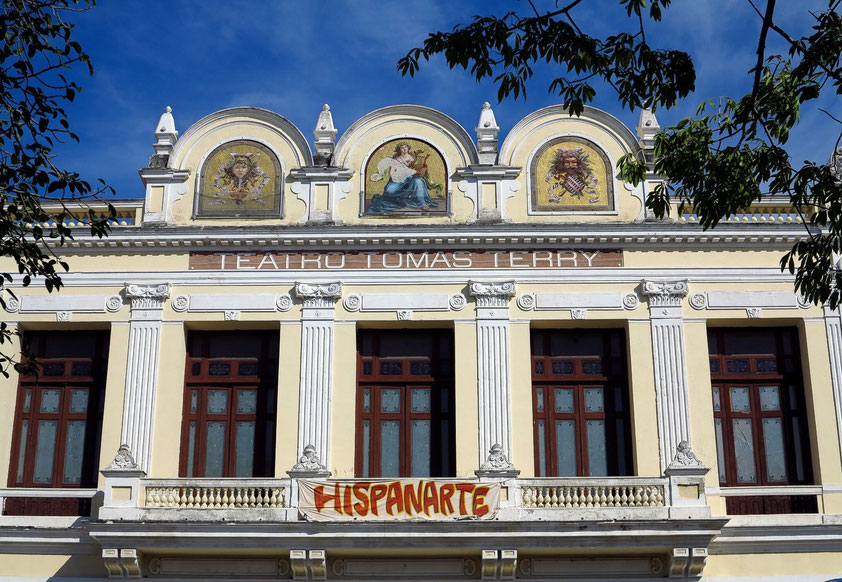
411	353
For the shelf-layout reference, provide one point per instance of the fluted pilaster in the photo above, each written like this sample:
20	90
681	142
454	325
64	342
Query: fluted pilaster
316	379
670	364
833	325
493	378
147	304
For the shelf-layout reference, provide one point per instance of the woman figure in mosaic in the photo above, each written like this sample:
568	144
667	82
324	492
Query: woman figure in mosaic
238	179
408	186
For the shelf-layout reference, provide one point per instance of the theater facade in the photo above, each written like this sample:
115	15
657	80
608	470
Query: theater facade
416	353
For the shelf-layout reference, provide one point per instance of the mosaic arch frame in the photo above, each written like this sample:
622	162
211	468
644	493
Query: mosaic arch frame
405	177
240	179
571	174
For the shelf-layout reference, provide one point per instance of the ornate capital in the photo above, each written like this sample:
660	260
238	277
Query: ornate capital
148	296
492	294
318	295
664	293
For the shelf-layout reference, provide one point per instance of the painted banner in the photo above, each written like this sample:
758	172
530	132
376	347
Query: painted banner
397	499
402	259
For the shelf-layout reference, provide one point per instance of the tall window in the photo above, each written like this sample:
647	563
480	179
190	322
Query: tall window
405	404
759	414
58	420
580	403
229	405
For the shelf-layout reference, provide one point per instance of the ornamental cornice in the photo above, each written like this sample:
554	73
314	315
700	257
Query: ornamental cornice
664	293
493	294
150	296
318	295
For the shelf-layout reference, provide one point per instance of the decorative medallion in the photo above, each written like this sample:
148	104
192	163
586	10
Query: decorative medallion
240	179
571	174
405	177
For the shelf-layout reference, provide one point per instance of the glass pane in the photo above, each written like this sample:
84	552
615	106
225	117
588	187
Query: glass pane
799	456
45	447
720	450
53	369
248	369
366	400
592	367
74	449
565	447
793	398
421	400
24	434
420	368
246	401
737	366
217	401
194	401
215	451
767	366
444	400
445	447
714	366
391	368
27	400
196	368
618	399
366	446
563	367
390	400
539	367
770	398
366	368
81	369
594	400
539	399
717	405
219	369
773	444
563	399
542	450
744	450
390	448
49	400
597	459
271	400
79	400
739	399
244	466
191	446
420	448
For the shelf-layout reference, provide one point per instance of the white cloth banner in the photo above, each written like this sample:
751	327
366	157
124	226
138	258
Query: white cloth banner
397	499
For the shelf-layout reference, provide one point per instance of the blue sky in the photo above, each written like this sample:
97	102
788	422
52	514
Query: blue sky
291	56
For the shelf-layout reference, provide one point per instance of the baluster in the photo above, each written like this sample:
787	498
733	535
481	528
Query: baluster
252	500
601	497
575	501
238	500
554	497
624	499
660	491
589	497
527	497
225	499
644	498
637	498
150	496
190	497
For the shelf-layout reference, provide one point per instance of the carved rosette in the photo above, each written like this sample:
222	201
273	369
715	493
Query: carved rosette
492	294
114	304
698	301
180	303
457	302
665	293
148	296
318	295
12	304
526	302
353	302
631	301
283	302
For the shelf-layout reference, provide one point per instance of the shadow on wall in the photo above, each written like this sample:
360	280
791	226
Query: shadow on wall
80	566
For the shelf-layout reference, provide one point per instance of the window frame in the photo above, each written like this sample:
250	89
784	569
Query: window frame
439	380
233	383
613	376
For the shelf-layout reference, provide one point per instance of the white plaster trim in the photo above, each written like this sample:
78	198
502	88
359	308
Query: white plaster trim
315	387
556	301
493	385
403	301
62	302
749	299
833	328
209	303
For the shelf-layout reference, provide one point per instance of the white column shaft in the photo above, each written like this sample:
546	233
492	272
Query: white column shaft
670	386
495	425
139	397
315	387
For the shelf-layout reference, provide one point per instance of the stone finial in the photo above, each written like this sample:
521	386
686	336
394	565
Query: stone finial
685	462
309	465
487	130
325	134
123	461
497	464
165	137
647	127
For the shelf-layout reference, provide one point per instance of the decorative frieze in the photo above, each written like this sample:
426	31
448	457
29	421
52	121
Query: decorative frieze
670	363
147	304
404	302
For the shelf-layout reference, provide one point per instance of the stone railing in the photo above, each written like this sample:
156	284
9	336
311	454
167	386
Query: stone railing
215	493
596	492
33	501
